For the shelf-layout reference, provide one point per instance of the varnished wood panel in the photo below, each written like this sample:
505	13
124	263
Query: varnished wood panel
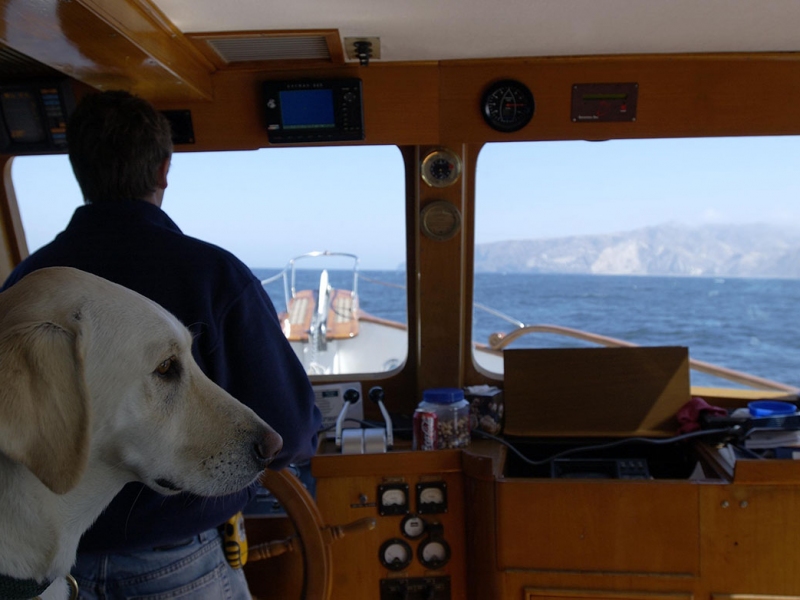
108	44
600	594
441	292
753	597
346	491
613	526
592	391
483	578
750	540
679	95
608	586
776	472
400	106
328	463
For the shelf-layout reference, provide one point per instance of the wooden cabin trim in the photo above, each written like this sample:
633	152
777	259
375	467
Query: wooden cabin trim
15	246
109	44
679	96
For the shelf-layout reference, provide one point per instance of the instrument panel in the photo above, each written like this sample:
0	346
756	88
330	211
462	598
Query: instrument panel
417	548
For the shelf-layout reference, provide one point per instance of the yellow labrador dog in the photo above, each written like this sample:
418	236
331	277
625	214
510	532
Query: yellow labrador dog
98	388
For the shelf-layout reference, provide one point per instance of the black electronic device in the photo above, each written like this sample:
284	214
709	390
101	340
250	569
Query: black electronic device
413	588
302	111
600	468
180	122
33	116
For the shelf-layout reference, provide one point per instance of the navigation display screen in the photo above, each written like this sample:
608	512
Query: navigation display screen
313	110
307	108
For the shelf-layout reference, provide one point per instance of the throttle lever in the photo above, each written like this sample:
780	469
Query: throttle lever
376	394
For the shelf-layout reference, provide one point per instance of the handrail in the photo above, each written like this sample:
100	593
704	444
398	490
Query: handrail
288	273
499	341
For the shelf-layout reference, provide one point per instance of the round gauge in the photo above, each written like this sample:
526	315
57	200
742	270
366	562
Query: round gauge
441	167
440	220
431	495
433	553
412	527
393	497
395	554
507	105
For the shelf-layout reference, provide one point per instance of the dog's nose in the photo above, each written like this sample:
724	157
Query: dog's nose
266	447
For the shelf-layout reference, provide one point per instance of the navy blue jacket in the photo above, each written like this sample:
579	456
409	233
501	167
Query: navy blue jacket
238	343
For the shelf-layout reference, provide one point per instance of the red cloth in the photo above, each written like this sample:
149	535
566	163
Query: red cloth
689	414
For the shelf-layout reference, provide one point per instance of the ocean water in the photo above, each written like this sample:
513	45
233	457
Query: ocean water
751	325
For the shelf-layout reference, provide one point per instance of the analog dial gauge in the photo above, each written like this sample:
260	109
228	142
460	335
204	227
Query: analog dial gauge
507	106
433	553
395	554
393	499
432	497
441	167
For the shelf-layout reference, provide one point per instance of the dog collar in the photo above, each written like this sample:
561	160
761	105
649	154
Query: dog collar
21	589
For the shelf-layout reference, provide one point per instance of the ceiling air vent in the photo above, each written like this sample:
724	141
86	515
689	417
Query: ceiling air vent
271	48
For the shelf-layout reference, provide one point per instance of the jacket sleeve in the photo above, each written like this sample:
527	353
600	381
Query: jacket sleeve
253	361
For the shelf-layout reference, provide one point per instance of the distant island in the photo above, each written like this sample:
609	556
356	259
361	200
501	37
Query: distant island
674	250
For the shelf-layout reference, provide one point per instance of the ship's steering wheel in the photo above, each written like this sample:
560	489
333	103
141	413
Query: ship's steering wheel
312	537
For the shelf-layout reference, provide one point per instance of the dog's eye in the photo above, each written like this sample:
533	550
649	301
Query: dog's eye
168	368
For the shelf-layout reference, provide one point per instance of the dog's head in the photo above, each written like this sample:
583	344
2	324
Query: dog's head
91	371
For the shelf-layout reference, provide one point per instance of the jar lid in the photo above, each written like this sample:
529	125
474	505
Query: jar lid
443	395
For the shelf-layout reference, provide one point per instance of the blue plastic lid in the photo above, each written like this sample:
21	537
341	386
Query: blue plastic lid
443	395
771	408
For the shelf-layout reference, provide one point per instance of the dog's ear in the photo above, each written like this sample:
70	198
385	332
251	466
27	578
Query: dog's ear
44	402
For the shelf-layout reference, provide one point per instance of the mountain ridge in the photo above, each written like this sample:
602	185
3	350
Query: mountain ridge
671	249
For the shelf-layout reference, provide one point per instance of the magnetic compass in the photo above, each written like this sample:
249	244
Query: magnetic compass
507	105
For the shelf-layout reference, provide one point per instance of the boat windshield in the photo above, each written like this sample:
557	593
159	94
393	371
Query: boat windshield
268	207
669	242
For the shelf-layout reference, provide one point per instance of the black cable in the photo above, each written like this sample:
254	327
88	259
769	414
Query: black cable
615	443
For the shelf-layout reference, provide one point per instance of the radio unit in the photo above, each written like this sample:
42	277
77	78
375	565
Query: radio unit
33	116
328	110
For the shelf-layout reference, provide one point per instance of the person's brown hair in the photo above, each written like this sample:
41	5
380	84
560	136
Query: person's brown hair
117	142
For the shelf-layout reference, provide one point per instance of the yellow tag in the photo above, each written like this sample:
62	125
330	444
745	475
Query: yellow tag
235	541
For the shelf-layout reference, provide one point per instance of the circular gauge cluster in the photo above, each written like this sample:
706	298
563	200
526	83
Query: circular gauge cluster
507	105
432	552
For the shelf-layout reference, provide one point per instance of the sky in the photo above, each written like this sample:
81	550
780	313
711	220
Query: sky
271	205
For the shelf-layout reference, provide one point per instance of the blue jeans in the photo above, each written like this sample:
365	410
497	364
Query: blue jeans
194	569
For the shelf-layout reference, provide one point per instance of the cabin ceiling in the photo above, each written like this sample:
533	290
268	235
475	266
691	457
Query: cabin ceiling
170	49
424	30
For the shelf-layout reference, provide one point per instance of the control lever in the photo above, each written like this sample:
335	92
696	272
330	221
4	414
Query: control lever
374	440
350	396
376	395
